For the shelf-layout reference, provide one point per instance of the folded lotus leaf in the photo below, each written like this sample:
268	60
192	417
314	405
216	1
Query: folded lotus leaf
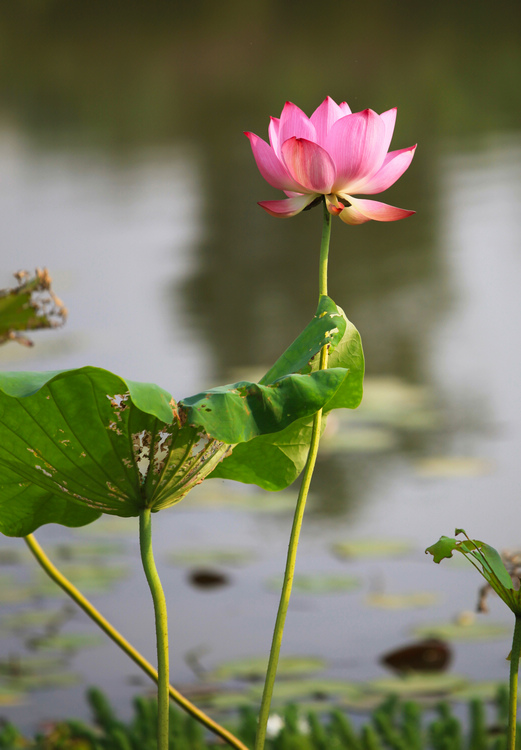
274	461
77	443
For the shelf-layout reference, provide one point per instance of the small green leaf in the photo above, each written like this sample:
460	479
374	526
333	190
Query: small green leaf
443	548
489	564
497	566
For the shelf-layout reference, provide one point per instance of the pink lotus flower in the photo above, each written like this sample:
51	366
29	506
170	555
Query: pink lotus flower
333	153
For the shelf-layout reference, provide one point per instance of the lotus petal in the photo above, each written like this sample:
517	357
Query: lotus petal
269	165
287	207
309	165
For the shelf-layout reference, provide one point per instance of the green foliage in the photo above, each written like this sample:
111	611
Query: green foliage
77	443
327	327
392	726
80	442
273	461
486	560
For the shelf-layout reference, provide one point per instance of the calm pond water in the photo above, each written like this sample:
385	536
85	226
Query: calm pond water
125	172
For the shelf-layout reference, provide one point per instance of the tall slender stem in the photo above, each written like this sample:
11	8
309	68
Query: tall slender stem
324	252
297	518
512	698
158	596
71	590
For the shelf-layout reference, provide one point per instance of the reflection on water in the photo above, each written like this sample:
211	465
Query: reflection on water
118	240
124	171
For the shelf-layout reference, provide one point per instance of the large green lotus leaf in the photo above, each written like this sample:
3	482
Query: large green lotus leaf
80	442
240	412
274	461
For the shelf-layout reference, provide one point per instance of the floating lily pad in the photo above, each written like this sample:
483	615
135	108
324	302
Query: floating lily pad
418	685
289	691
67	642
12	592
111	526
473	630
90	578
86	551
21	666
391	401
485	691
414	600
372	548
227	700
205	556
453	466
11	697
358	439
28	683
254	669
318	584
12	556
38	618
210	496
364	701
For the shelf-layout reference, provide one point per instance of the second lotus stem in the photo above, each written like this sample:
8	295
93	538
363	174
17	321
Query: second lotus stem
57	576
297	518
158	596
512	698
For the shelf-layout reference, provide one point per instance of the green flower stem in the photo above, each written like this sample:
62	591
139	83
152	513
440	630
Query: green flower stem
297	518
71	590
514	669
324	252
158	596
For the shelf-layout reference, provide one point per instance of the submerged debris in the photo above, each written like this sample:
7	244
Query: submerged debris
429	655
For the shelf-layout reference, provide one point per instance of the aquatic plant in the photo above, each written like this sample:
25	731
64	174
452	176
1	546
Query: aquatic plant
394	725
79	443
505	582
